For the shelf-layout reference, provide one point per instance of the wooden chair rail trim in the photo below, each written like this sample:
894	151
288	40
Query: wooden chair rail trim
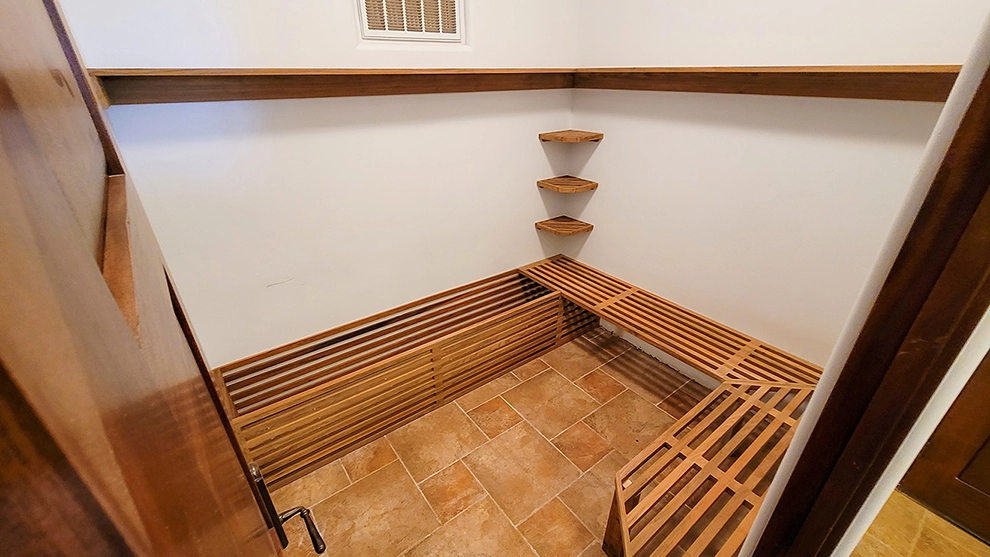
150	85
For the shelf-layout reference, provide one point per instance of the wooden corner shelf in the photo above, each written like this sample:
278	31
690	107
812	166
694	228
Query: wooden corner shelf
564	226
567	184
571	136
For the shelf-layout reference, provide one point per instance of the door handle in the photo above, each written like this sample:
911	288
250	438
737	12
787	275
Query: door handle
276	519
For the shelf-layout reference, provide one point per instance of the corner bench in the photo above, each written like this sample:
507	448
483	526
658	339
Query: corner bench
696	489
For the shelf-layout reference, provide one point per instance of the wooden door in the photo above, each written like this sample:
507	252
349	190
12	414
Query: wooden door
952	473
111	441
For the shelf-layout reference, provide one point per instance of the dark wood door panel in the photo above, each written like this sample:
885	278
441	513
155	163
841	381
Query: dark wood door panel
977	473
952	473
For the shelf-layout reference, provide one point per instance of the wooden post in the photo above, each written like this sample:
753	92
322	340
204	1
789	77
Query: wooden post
612	544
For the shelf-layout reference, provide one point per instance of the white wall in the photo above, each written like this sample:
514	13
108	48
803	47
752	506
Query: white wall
280	219
309	34
777	32
763	213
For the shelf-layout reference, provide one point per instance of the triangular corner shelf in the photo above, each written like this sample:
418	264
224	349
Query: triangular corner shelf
564	226
571	136
567	184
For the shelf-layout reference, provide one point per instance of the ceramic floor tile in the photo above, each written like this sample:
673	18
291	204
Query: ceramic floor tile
550	402
576	358
311	488
933	544
685	398
436	440
494	417
646	375
452	490
521	470
593	550
382	514
555	532
581	445
590	497
487	391
532	369
898	523
870	546
956	535
480	531
368	458
628	423
600	386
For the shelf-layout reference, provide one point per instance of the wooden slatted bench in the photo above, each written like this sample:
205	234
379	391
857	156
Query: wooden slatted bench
707	345
696	489
302	405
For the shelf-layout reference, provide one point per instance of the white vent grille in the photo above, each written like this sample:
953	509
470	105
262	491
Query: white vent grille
411	20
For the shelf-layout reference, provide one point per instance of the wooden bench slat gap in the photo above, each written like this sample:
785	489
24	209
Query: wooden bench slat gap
682	447
340	342
284	426
440	325
361	322
281	454
707	470
690	337
654	495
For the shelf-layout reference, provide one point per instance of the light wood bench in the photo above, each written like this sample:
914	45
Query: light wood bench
300	406
707	345
696	489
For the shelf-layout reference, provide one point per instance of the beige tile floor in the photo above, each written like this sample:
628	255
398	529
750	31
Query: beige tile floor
904	528
523	465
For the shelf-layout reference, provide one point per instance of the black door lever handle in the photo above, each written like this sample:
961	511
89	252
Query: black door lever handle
319	545
275	520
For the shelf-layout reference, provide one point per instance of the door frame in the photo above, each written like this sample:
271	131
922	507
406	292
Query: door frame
928	305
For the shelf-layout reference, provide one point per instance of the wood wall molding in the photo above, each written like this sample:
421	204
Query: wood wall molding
905	83
169	86
901	83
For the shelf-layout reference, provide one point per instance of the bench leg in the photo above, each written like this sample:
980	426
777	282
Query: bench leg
612	545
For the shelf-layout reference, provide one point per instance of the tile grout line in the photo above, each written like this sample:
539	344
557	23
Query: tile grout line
524	420
581	474
348	476
451	519
657	405
411	477
466	410
624	387
541	433
499	507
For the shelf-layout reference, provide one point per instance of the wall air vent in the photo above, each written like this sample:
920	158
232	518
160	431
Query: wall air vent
412	20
